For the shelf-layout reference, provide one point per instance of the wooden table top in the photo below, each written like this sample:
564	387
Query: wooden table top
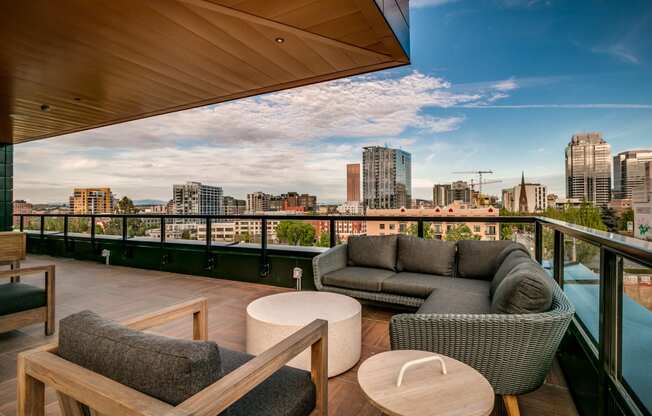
425	391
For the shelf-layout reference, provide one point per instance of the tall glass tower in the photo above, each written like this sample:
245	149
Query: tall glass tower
386	178
588	168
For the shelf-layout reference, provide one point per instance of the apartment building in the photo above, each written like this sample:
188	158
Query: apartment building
438	230
195	198
353	182
258	202
642	205
526	197
234	206
92	201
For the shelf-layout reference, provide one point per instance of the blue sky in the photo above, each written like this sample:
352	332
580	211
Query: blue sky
495	84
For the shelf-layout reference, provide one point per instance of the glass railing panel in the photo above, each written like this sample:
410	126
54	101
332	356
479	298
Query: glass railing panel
140	228
637	330
548	249
581	282
297	233
108	227
79	227
182	230
53	225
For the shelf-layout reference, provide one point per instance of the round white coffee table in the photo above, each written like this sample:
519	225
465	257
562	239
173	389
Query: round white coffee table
424	390
272	318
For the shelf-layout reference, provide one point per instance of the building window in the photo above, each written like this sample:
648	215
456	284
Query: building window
476	228
401	228
491	230
382	226
392	226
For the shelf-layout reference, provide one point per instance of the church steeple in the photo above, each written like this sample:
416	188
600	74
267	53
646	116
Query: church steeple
522	198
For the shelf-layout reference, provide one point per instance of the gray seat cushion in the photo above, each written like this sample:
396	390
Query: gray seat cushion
477	259
526	289
18	297
445	301
288	392
359	278
372	251
511	261
169	369
478	287
414	284
419	255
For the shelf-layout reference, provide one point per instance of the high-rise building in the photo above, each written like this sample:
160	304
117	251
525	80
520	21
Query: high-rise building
198	199
588	168
459	191
92	201
440	194
386	178
234	206
21	207
526	197
353	182
258	202
629	171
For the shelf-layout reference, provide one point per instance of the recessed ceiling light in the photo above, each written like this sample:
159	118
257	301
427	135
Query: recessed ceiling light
45	107
279	40
77	99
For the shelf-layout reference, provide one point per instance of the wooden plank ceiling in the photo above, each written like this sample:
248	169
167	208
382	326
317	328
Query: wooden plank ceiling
71	65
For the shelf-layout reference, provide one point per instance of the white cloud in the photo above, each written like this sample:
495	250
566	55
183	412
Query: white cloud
506	85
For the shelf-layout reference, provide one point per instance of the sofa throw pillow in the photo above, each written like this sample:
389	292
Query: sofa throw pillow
526	289
477	259
419	255
514	259
170	369
372	251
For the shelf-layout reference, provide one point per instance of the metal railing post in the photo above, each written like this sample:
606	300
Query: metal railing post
420	228
264	271
42	226
209	233
124	228
65	232
93	231
333	232
163	230
22	223
610	338
538	241
558	262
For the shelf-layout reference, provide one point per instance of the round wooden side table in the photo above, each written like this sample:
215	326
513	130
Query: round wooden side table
424	390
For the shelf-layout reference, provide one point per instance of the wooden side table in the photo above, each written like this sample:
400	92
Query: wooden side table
424	390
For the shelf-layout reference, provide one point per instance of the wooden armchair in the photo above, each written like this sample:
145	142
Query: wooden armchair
76	385
22	304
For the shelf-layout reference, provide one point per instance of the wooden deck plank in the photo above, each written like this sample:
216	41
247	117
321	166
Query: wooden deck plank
122	292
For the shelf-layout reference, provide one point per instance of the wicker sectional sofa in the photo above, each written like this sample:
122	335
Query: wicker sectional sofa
486	303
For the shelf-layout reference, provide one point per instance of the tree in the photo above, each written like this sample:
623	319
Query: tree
461	232
185	235
324	240
610	219
413	229
126	206
295	233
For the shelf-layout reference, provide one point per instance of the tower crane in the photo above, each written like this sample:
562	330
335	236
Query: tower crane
480	173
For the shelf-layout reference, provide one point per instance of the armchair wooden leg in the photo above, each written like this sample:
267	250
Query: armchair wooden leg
511	405
49	289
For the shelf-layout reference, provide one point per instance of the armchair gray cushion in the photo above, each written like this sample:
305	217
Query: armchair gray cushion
288	392
419	255
373	251
478	259
18	297
514	259
359	278
169	369
526	289
452	301
509	249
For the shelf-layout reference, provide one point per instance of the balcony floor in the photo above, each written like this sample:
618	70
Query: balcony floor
121	292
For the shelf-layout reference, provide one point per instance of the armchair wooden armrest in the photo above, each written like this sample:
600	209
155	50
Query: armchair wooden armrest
75	385
36	315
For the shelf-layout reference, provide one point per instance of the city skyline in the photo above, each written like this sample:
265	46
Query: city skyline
449	115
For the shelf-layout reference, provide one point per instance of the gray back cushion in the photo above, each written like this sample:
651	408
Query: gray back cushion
477	259
169	369
418	255
373	251
512	260
526	289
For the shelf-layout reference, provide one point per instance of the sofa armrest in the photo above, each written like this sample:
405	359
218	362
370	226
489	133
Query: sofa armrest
514	352
333	259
